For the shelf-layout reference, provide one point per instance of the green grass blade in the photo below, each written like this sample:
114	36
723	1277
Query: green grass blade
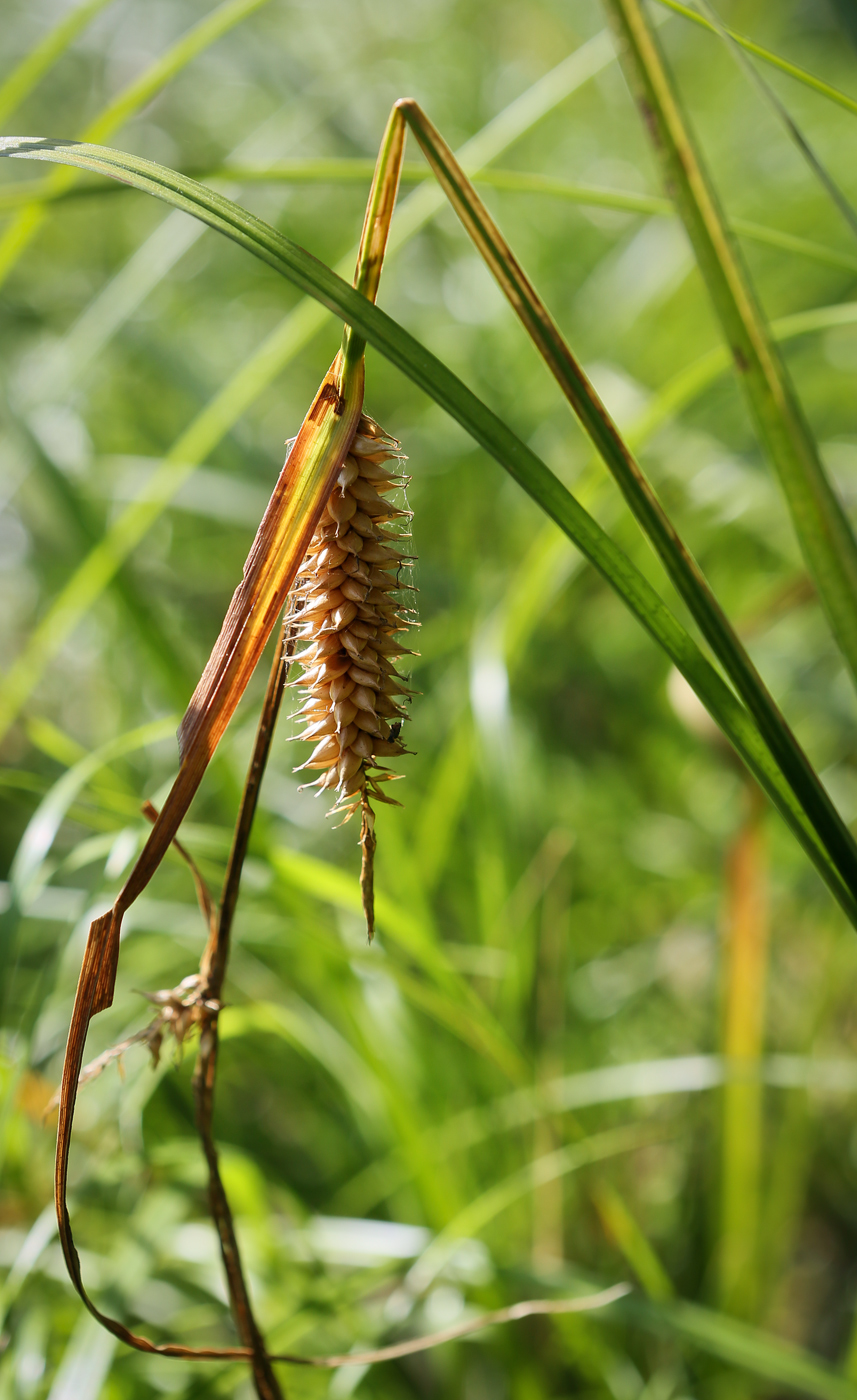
200	37
455	1004
745	1347
489	432
681	567
287	339
30	218
695	378
25	872
825	535
784	116
168	662
33	67
499	1197
792	69
320	171
356	171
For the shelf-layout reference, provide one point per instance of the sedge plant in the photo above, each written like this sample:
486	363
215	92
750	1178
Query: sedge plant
325	561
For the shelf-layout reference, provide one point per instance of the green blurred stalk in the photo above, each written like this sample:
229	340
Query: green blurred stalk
745	974
775	60
34	65
323	170
822	528
23	228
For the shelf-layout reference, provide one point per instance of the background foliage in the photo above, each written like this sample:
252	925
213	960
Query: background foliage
557	895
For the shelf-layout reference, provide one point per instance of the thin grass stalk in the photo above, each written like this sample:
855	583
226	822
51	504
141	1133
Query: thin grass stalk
680	565
354	170
495	437
821	525
819	170
42	57
24	227
212	975
793	70
293	333
745	975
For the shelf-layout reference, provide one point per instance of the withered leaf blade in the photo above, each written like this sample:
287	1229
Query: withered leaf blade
280	544
287	526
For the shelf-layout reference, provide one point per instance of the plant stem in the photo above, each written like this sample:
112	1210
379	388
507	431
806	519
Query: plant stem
213	973
745	956
821	525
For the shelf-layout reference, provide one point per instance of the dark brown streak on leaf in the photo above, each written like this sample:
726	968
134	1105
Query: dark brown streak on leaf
328	394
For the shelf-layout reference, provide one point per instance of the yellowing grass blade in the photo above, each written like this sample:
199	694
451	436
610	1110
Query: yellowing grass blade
280	544
287	527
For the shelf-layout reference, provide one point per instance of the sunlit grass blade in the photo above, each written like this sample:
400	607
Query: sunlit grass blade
287	339
552	1166
26	869
320	171
793	70
689	383
824	532
489	432
170	664
745	966
623	1229
819	170
463	1011
323	170
682	569
41	58
120	109
747	1348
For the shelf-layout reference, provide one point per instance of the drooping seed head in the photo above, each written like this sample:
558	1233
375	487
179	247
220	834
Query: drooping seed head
347	614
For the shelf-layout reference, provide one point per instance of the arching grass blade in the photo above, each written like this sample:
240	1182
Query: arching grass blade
430	374
681	567
824	532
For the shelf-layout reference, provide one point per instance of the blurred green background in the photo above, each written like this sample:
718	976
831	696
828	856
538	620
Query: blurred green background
585	915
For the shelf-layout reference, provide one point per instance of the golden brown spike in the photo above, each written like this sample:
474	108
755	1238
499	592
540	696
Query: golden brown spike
347	613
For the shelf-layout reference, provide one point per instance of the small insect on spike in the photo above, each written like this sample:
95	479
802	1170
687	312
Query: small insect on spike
347	604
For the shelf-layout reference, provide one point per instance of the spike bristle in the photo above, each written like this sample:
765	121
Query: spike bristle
345	608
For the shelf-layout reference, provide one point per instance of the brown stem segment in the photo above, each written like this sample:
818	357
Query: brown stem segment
368	842
213	972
